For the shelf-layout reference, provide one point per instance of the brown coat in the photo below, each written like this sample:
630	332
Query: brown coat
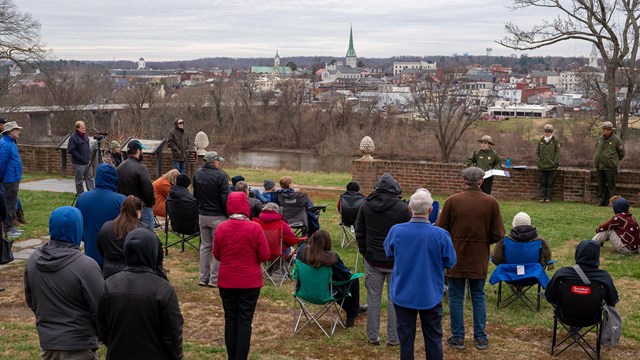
473	219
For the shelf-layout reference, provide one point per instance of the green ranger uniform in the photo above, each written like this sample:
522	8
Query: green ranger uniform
609	152
548	155
485	160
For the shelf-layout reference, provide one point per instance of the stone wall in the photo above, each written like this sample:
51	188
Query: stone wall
444	179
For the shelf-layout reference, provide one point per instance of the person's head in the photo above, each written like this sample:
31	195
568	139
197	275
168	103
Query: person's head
286	182
115	146
548	130
2	122
81	127
486	142
472	176
179	124
213	158
171	175
588	254
235	179
619	204
183	180
520	219
134	148
65	225
238	203
271	206
421	203
387	184
12	129
353	186
607	128
242	187
269	185
319	251
141	248
129	216
107	177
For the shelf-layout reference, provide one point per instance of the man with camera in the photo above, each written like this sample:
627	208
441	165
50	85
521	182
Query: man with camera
80	151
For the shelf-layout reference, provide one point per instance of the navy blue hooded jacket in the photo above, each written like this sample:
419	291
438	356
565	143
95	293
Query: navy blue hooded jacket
99	206
62	286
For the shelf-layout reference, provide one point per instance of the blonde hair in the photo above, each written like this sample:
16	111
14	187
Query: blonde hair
171	175
285	182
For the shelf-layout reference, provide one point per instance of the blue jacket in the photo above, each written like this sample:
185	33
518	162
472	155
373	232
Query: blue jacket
421	252
99	206
79	148
10	162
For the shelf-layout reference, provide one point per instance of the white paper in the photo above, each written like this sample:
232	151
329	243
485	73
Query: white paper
494	172
520	269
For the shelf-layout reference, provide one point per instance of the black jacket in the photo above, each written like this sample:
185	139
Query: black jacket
134	179
211	188
79	148
178	142
381	210
588	257
138	314
181	194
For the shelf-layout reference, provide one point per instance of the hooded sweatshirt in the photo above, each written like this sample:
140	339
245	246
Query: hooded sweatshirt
381	210
271	220
138	315
62	286
521	233
624	224
99	206
588	257
240	246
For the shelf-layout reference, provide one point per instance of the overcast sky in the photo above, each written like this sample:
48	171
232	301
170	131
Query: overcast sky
189	29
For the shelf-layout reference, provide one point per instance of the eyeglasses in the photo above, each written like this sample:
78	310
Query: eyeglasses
548	131
180	123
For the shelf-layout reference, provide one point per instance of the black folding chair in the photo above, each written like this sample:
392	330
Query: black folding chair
293	207
182	220
349	208
579	311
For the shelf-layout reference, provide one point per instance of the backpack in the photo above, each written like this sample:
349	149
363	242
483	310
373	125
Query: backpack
611	326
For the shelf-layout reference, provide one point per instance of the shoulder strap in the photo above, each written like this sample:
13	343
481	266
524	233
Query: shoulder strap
581	273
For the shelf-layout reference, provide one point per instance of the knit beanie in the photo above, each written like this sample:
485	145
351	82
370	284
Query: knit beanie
520	219
620	205
235	179
269	184
183	180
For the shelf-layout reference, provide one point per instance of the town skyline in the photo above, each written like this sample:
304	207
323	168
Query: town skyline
171	31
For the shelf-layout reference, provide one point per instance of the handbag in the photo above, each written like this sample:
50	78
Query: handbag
6	255
611	319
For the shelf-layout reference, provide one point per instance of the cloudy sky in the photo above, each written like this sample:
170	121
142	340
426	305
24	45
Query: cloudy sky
189	29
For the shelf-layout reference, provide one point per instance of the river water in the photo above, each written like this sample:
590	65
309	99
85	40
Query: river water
291	161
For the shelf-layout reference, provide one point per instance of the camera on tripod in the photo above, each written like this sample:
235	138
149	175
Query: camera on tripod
100	135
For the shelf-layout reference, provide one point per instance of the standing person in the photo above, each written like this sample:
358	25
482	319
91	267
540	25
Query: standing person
609	152
382	209
622	230
178	142
421	252
80	150
10	173
99	206
548	155
474	221
486	158
211	188
134	179
3	215
240	246
62	287
138	314
113	156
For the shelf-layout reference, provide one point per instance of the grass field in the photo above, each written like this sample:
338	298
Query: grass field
515	332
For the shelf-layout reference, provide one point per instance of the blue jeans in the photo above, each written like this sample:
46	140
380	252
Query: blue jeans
456	305
179	165
147	217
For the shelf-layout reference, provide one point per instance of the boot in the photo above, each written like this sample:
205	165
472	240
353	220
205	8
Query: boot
20	217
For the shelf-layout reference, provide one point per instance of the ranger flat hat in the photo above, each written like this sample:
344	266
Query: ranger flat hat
548	127
486	138
607	125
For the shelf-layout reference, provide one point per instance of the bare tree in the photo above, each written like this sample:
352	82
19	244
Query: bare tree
610	25
445	109
19	35
293	95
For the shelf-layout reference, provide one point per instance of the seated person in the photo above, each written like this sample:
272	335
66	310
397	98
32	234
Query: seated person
180	191
522	231
269	193
622	230
270	218
161	190
588	257
255	204
234	181
353	190
286	186
318	253
113	156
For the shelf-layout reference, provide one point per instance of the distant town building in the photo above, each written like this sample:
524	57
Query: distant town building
272	71
422	66
351	59
141	64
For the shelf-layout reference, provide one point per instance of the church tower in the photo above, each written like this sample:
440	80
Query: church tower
593	57
141	64
276	63
351	58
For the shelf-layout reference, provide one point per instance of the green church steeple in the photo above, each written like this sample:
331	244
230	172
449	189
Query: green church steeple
351	58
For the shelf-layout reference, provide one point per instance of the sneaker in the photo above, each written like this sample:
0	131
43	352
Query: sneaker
14	232
375	342
213	285
455	343
547	200
393	344
481	343
542	200
202	283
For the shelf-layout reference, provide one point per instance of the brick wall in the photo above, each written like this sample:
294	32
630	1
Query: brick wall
444	179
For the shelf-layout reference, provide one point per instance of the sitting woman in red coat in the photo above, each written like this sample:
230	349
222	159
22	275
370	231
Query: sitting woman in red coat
271	219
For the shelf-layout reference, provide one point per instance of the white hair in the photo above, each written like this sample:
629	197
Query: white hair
421	201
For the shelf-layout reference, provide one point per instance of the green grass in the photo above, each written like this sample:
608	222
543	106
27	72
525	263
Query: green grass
299	177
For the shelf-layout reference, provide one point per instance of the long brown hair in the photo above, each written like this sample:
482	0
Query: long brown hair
319	249
127	220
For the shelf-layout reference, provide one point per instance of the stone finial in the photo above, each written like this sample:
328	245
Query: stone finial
201	141
367	147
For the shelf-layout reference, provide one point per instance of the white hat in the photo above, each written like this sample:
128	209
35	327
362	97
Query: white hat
10	126
521	218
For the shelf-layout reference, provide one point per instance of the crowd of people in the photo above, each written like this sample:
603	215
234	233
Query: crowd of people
118	292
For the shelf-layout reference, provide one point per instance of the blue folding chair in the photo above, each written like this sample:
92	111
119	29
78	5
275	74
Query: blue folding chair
521	272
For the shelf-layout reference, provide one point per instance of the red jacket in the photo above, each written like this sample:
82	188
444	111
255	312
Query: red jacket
271	220
626	226
240	246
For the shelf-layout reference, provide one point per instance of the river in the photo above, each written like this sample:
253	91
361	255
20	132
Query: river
292	161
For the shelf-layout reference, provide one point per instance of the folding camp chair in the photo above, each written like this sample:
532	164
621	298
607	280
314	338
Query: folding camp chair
579	311
435	211
182	219
349	207
293	207
521	272
278	260
316	290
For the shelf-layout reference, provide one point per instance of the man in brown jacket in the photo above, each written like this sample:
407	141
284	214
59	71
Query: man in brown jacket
473	219
178	142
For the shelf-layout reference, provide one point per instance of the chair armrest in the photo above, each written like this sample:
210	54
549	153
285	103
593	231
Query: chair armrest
353	277
322	208
550	265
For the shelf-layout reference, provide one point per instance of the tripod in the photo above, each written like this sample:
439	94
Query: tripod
96	156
